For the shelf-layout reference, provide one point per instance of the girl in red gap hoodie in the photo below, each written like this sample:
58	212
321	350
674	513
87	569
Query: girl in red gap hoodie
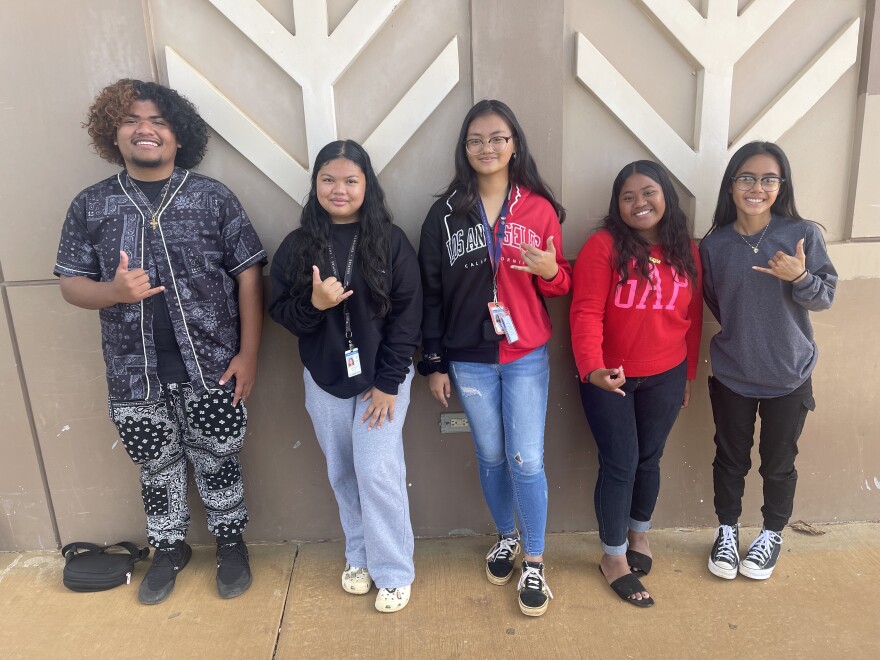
636	318
490	252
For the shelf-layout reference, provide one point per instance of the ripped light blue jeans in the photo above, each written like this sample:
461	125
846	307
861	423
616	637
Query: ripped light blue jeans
506	405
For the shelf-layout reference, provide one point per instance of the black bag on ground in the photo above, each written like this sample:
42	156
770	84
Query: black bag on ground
89	567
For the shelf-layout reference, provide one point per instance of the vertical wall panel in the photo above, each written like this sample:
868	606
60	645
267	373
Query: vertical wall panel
25	521
518	50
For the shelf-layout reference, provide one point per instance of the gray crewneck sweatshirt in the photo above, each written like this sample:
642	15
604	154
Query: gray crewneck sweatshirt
765	347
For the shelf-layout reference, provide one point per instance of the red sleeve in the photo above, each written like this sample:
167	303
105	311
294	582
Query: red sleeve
593	274
560	284
695	314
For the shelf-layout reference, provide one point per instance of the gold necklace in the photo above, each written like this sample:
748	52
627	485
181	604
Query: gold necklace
761	238
154	213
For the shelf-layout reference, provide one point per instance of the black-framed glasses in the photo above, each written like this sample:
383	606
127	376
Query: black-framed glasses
747	182
496	144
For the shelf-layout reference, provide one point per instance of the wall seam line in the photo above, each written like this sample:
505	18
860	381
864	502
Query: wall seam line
38	451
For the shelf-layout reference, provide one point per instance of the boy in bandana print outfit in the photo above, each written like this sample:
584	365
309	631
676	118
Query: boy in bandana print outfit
172	263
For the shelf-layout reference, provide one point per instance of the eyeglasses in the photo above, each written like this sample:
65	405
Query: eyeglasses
747	182
496	144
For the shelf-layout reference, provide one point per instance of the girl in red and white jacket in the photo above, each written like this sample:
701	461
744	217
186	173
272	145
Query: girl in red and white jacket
636	319
490	252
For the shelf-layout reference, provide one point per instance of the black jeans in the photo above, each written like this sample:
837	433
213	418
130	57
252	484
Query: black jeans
782	420
630	435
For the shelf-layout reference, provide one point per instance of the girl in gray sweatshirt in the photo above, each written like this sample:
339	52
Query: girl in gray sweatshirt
764	269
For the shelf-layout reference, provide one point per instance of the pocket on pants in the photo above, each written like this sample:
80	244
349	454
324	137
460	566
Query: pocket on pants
214	417
145	428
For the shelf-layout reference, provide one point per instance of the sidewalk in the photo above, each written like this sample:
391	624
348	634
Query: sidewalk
822	602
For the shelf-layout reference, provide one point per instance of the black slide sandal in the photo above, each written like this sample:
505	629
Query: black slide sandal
639	563
628	585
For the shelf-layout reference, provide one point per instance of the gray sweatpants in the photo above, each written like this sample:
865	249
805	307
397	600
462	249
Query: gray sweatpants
368	475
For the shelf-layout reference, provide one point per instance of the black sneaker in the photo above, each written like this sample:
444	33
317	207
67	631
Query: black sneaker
499	561
760	560
724	558
534	594
158	583
233	569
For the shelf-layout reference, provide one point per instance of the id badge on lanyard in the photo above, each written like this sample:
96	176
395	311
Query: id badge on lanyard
350	355
500	315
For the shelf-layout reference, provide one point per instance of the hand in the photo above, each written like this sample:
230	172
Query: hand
381	406
327	293
610	380
537	261
787	267
131	286
441	389
244	368
686	399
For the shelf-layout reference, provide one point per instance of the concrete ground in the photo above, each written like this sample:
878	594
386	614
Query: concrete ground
822	602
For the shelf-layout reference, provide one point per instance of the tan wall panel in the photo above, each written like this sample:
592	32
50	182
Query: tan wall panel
869	81
839	464
517	58
789	45
649	59
56	58
820	147
25	523
94	486
866	194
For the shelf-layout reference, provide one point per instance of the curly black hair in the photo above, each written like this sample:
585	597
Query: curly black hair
113	103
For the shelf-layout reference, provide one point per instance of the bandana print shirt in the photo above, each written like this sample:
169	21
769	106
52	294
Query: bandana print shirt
202	241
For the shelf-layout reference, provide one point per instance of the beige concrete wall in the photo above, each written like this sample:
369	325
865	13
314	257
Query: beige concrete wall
62	467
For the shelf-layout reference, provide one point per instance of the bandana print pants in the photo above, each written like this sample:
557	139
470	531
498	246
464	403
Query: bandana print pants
162	435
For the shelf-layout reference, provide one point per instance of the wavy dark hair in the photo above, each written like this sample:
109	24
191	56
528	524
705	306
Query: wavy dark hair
112	104
372	250
672	229
522	169
725	209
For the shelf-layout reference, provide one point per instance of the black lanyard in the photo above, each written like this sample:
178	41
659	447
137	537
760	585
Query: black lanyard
494	242
346	280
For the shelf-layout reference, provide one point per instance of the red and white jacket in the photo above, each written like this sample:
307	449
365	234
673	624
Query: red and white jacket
457	280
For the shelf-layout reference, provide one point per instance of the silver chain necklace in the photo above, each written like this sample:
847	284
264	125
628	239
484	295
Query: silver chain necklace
761	238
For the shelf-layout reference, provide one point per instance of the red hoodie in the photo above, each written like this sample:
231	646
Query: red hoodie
647	332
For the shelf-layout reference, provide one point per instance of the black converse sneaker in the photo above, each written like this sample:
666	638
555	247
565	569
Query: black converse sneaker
534	593
158	583
499	561
760	560
724	558
233	569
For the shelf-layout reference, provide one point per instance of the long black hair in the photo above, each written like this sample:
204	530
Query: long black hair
372	252
522	169
725	209
672	229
